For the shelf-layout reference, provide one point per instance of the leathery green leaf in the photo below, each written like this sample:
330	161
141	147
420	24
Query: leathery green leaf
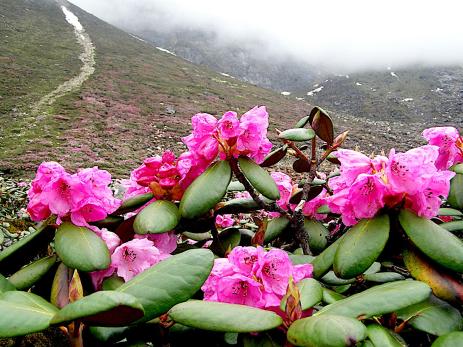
28	275
381	299
104	308
381	336
433	316
23	313
360	246
159	217
326	331
170	282
297	134
437	243
80	248
259	178
218	316
206	190
450	340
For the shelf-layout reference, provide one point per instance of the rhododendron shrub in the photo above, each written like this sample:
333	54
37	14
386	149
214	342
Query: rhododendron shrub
218	246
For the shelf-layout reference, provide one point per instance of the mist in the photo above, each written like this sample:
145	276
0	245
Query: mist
340	35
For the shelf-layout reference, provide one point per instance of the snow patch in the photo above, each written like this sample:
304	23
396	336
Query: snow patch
437	90
72	19
226	75
165	50
317	90
300	99
407	99
358	84
285	93
393	74
138	38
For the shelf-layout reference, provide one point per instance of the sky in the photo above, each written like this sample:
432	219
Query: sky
339	34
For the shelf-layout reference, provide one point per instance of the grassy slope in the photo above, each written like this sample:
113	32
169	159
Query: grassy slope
119	116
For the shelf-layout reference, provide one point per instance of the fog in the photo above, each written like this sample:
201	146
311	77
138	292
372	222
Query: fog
338	34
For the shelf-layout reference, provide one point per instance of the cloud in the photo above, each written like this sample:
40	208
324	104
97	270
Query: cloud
339	34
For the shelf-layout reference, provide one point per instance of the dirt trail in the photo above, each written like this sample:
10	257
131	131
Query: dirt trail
88	68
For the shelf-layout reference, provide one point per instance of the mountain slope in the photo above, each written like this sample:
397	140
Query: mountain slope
138	102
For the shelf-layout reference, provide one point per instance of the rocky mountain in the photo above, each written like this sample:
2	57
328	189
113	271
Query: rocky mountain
80	91
431	95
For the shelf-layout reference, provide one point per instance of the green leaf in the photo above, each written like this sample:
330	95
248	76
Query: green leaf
238	205
105	308
453	339
28	275
332	279
374	268
446	211
361	246
433	316
326	331
170	282
5	285
381	299
228	239
133	203
302	122
106	334
330	296
381	336
455	197
80	248
218	316
159	217
322	124
443	283
455	225
274	157
206	190
297	134
383	277
274	228
457	168
236	186
324	209
112	283
23	313
318	234
259	178
298	259
311	293
437	243
322	262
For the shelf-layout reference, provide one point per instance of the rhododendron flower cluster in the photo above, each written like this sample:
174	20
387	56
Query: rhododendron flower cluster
82	197
450	144
254	277
367	185
229	136
224	221
133	257
286	188
166	176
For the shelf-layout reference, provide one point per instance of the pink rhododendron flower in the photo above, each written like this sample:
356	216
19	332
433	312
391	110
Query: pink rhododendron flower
82	197
165	176
274	269
285	187
165	242
230	136
367	185
224	221
310	207
450	145
251	276
135	256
